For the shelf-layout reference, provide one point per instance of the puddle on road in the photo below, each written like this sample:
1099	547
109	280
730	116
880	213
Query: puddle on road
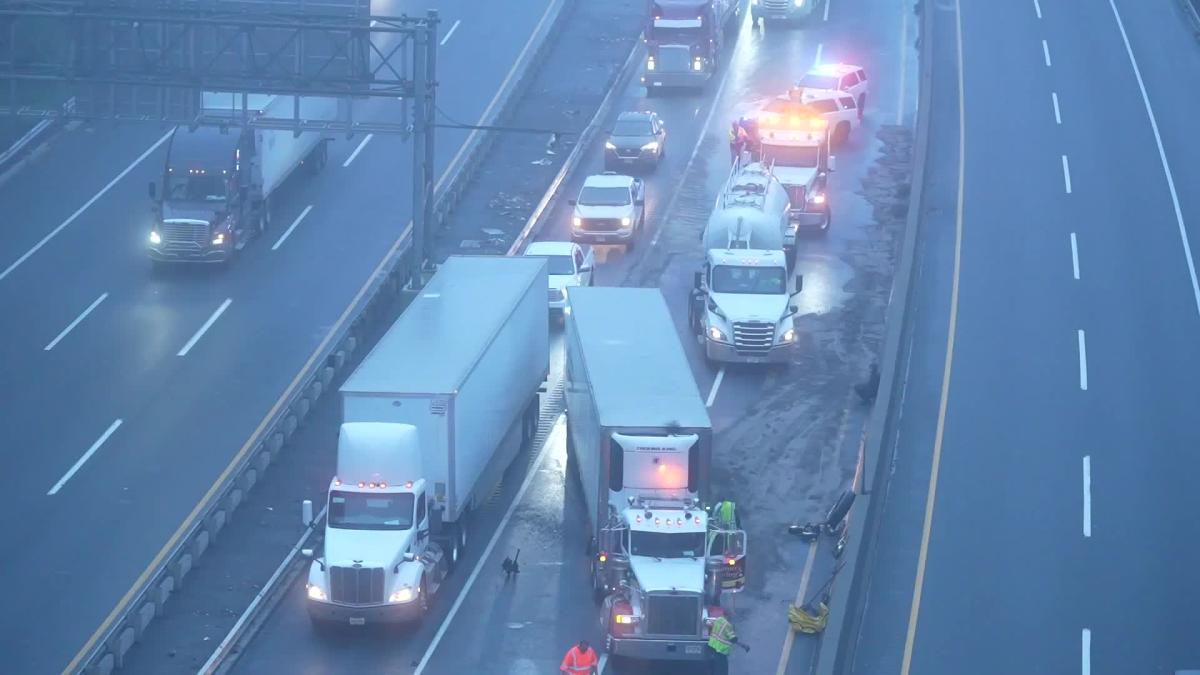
825	278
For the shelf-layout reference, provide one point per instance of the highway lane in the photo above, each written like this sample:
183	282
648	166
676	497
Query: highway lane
1061	475
543	617
121	362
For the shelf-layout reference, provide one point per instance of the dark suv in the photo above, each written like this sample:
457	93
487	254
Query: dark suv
637	139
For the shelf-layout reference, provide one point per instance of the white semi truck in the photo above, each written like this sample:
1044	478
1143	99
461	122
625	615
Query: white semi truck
642	441
431	419
217	182
740	300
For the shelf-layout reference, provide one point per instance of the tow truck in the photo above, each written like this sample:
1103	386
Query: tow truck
793	139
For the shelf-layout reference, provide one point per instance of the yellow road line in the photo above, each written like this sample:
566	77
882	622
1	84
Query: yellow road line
919	582
287	393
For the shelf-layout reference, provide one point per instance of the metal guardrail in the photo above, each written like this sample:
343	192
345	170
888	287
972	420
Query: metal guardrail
24	145
850	598
135	611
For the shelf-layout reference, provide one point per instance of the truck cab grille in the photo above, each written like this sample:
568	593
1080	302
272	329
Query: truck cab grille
184	235
601	224
753	338
356	585
673	615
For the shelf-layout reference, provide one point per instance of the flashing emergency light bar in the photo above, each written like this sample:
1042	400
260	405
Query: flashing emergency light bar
793	121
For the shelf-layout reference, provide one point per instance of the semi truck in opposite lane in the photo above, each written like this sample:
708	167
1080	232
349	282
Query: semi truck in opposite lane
431	419
641	440
217	182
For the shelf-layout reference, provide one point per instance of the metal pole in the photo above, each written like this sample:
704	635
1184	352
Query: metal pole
422	41
430	100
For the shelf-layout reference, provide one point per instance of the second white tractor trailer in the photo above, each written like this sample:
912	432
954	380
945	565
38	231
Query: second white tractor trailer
642	441
431	419
740	304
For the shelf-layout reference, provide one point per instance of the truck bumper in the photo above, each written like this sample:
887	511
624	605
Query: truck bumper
788	12
617	237
654	79
808	221
362	615
722	351
215	254
682	649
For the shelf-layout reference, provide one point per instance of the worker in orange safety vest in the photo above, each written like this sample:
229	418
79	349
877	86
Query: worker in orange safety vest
580	660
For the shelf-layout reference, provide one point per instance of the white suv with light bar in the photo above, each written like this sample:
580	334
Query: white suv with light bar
835	77
838	108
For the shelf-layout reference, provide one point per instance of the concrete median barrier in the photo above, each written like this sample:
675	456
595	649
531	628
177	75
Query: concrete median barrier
848	594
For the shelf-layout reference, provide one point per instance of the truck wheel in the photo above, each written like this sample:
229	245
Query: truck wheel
862	102
828	221
841	134
423	599
598	593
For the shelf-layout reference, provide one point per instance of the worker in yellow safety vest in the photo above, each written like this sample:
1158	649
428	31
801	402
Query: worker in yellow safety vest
721	639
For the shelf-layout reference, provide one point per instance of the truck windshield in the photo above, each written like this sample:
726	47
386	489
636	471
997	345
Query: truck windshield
749	280
604	196
370	511
676	36
667	544
559	264
208	187
808	157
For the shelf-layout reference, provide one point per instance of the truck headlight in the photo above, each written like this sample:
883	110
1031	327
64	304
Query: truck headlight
798	3
788	336
818	198
650	63
651	146
626	221
715	333
610	145
626	619
219	239
155	237
316	592
577	221
402	594
754	2
697	64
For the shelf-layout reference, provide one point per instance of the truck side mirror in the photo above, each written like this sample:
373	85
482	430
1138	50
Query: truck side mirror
409	556
306	553
832	163
306	513
571	202
153	190
698	279
799	282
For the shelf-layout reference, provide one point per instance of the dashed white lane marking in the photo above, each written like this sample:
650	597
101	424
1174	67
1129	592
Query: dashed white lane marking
1037	7
1087	496
827	4
203	329
288	232
1083	375
712	393
1074	255
1046	52
357	150
1162	156
86	456
1057	114
817	59
73	324
1086	665
1066	174
53	233
450	32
